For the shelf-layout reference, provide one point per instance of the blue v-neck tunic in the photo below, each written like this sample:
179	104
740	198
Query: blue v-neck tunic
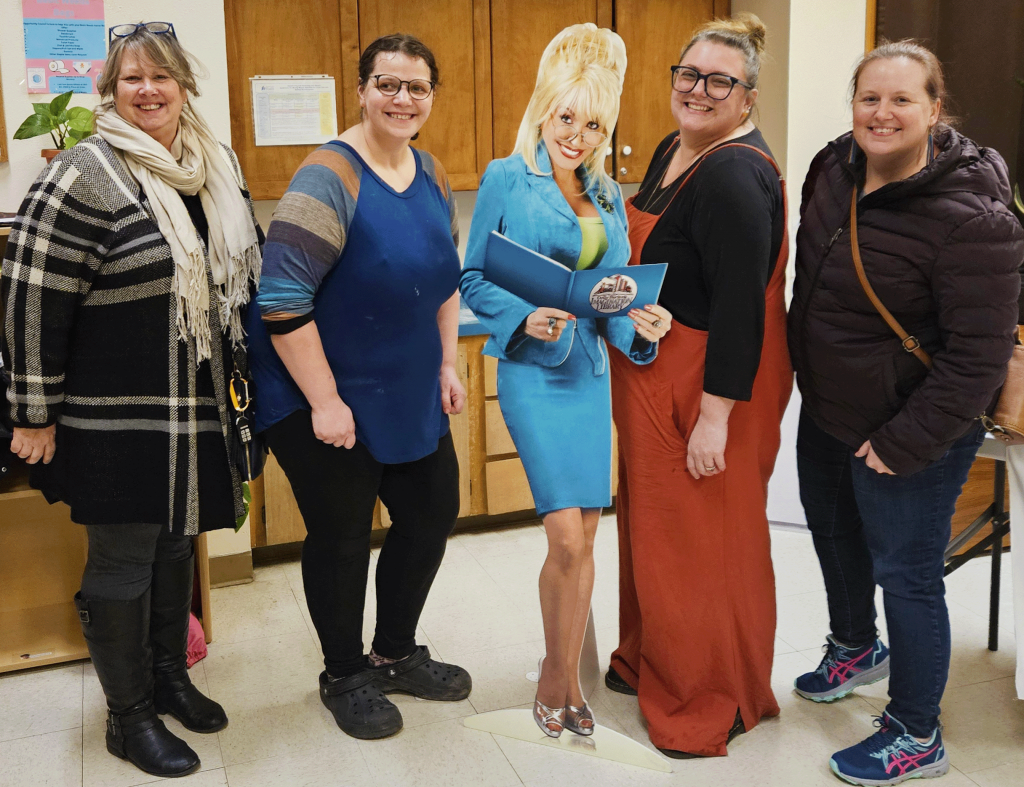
371	266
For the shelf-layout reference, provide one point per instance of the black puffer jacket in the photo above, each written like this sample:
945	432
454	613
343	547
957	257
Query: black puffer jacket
942	251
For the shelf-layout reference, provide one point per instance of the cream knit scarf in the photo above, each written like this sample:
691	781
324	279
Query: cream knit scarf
196	163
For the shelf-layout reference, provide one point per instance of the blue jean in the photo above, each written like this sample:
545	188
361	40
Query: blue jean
892	531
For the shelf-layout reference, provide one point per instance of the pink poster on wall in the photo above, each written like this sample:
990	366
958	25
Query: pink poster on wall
65	45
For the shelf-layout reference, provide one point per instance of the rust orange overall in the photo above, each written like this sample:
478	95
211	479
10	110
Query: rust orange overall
696	585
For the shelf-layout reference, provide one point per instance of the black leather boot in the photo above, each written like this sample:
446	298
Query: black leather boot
170	606
117	633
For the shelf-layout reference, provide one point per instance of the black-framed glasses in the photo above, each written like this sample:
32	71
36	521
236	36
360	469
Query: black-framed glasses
130	29
566	132
717	86
419	89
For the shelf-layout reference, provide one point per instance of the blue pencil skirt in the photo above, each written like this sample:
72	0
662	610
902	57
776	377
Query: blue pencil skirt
560	419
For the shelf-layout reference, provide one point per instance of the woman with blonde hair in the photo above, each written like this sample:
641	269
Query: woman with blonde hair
125	281
699	427
553	196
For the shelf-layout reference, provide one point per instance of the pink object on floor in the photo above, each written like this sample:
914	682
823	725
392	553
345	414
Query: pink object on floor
196	649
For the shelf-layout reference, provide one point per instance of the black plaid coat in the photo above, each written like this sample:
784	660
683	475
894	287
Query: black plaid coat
91	343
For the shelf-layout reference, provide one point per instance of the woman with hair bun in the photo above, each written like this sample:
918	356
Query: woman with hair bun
699	427
553	196
889	427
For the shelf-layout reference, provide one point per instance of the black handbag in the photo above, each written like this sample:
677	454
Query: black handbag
246	449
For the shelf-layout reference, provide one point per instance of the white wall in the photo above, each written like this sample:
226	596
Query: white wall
825	41
200	28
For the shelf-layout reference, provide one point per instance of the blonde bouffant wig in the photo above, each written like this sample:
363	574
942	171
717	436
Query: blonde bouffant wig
581	69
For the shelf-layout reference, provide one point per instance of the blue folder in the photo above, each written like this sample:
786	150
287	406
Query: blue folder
539	280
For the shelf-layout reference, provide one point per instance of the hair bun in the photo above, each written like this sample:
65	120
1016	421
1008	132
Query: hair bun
586	45
754	29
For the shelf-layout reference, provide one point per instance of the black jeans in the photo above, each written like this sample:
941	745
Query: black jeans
870	528
121	558
336	490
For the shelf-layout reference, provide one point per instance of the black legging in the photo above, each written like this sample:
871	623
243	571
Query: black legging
121	558
336	490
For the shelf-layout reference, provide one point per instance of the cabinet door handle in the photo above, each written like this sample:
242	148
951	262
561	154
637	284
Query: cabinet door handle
622	171
626	150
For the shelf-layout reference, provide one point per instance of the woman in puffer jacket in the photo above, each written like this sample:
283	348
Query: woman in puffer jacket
888	434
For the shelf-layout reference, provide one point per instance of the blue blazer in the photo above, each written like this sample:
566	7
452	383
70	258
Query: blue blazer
530	209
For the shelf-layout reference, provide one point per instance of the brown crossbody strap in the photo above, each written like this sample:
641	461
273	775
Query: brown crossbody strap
910	343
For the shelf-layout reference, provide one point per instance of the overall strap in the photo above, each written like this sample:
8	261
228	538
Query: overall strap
699	161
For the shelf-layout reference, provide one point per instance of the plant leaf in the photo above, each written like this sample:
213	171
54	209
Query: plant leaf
80	123
76	113
1017	200
246	499
34	126
60	103
42	109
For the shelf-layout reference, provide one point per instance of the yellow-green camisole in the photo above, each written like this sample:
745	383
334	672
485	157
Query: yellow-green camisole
595	241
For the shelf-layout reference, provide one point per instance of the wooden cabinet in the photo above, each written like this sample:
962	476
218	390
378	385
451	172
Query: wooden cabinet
487	53
519	33
457	32
654	32
266	37
271	37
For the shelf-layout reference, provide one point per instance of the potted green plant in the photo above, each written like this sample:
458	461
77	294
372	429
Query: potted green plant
65	125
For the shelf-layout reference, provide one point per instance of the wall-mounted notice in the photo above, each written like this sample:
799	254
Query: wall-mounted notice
294	110
65	45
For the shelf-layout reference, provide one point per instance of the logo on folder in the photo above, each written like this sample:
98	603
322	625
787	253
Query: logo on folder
613	293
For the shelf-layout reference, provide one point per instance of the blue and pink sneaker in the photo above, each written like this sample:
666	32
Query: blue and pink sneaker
844	669
891	756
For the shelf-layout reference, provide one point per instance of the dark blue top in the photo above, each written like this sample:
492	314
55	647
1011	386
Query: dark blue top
375	303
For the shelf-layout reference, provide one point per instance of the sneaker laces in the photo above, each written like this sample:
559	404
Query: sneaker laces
828	662
888	741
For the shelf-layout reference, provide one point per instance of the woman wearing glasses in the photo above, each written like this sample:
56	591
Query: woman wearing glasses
124	282
699	428
552	196
353	349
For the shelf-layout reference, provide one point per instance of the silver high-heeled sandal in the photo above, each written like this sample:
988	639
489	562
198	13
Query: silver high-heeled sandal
574	718
544	715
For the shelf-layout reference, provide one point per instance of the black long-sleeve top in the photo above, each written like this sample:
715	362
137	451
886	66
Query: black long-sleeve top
721	236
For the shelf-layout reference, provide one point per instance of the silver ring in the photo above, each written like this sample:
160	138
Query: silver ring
552	322
710	468
656	323
551	331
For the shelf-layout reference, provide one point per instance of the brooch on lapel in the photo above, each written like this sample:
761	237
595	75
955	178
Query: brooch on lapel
606	204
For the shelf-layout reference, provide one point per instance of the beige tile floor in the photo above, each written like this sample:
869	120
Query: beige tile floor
484	614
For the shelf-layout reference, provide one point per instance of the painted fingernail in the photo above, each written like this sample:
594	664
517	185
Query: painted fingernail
571	317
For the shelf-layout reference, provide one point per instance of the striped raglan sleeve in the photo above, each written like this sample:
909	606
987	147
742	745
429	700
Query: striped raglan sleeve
306	237
61	235
432	164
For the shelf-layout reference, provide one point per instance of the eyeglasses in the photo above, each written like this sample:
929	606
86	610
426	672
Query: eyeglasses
717	86
156	28
419	89
567	133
